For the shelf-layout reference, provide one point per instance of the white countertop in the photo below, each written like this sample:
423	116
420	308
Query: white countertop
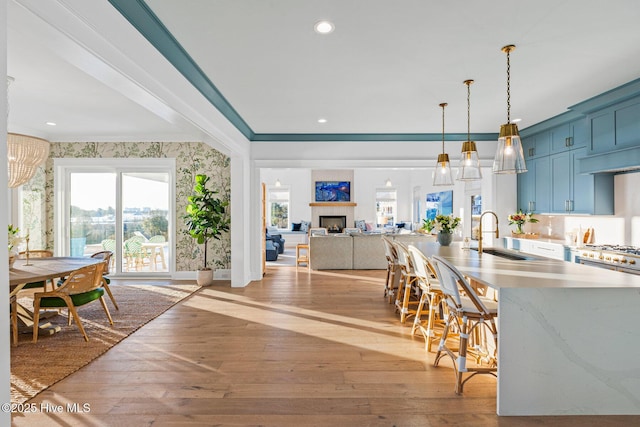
500	272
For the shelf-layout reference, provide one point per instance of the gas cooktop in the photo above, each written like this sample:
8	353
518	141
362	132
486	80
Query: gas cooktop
614	248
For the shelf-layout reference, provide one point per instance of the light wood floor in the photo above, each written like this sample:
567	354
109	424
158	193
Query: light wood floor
296	349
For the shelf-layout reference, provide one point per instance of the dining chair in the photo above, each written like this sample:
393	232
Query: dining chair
407	285
13	302
106	256
393	269
133	253
470	314
431	294
37	253
109	245
81	287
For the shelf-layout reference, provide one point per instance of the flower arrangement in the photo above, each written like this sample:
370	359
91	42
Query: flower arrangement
14	238
519	219
428	224
446	223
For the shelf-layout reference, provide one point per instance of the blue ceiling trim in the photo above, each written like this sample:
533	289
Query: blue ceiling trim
369	137
147	23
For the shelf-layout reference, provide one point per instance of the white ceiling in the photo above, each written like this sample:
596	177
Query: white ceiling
384	69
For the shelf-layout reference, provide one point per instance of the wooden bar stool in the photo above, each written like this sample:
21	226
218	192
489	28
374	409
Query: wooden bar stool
302	254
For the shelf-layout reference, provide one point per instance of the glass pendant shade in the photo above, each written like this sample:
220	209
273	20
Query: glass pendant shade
442	175
509	155
469	168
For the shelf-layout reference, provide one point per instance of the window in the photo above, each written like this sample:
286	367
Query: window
278	207
386	206
122	205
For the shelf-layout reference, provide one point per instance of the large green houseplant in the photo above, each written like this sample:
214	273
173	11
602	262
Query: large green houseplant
206	218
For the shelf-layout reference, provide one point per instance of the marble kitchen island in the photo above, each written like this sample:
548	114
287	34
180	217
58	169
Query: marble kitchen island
568	334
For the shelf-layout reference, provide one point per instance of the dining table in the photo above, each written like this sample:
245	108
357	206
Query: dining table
34	270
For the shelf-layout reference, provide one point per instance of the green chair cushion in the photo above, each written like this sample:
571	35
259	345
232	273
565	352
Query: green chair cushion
77	299
34	285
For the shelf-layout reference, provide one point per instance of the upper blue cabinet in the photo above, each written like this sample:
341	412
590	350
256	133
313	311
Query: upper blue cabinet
535	146
613	130
569	136
615	127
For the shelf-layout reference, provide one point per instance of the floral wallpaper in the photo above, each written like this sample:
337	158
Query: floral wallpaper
192	158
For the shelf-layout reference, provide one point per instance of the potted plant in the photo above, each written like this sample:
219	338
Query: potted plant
206	218
428	225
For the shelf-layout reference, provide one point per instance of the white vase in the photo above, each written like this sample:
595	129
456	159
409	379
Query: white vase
204	277
13	256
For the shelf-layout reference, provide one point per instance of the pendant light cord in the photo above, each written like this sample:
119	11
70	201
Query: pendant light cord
508	86
468	82
443	105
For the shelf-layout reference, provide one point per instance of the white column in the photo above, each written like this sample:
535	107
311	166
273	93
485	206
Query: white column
257	232
240	221
5	356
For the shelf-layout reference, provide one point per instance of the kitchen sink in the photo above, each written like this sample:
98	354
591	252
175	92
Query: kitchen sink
507	254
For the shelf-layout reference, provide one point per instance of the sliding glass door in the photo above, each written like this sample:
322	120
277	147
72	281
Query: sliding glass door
145	221
125	208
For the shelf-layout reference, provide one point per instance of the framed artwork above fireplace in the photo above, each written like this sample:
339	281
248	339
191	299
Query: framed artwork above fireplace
333	191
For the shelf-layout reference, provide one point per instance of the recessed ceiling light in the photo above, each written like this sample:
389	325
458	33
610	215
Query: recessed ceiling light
516	120
323	27
50	123
322	120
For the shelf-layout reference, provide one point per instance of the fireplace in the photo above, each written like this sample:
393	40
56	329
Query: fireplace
333	223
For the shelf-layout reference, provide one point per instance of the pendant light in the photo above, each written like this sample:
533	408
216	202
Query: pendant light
25	153
509	156
469	169
442	174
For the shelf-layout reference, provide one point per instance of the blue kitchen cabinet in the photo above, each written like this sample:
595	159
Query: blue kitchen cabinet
561	178
534	186
627	122
535	146
573	192
569	136
615	127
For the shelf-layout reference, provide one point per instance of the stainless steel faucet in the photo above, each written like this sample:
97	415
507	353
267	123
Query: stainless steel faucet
480	229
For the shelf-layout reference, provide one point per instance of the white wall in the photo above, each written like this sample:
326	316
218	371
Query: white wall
5	360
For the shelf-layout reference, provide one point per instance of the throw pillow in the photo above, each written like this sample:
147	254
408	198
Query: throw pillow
295	226
304	226
361	224
369	226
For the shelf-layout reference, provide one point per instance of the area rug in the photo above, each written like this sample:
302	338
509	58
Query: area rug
35	367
